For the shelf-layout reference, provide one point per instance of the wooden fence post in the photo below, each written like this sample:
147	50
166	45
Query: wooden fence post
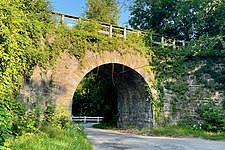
138	33
174	43
62	19
162	41
110	30
79	21
124	32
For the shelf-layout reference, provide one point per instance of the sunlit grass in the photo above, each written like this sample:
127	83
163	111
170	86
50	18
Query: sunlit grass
52	139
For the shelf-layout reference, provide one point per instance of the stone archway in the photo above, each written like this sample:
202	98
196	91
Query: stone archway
130	76
130	89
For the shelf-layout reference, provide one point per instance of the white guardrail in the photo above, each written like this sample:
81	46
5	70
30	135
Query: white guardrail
87	119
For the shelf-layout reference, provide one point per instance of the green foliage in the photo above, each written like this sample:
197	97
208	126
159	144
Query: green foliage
178	87
29	121
11	114
85	37
48	112
187	131
181	19
54	130
5	125
29	37
95	97
223	104
103	10
61	118
157	104
151	14
173	108
210	69
172	131
172	67
168	62
23	36
51	138
212	118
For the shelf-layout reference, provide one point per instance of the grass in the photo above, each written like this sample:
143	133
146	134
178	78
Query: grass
179	131
52	139
172	131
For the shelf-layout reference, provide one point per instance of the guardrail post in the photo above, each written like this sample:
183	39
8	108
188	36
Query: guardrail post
110	30
85	119
183	43
62	19
174	43
162	41
98	120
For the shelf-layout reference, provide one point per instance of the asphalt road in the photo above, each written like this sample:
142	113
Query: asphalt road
112	140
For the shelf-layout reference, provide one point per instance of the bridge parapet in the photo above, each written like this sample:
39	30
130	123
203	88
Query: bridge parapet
119	31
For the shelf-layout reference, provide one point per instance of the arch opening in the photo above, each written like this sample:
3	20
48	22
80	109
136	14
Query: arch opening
127	96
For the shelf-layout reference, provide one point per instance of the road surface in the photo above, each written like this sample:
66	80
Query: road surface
112	140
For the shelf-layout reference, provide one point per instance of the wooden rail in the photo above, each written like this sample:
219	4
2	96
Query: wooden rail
87	119
119	31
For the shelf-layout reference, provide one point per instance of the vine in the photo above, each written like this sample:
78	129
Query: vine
29	36
85	37
172	68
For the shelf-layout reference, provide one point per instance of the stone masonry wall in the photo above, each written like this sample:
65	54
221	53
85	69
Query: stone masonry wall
185	105
59	84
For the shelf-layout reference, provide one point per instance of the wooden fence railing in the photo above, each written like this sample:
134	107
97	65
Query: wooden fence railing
118	31
87	119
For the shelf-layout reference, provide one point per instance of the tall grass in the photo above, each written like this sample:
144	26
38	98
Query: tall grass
51	138
180	131
172	131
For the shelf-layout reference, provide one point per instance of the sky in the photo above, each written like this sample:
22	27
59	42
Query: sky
76	8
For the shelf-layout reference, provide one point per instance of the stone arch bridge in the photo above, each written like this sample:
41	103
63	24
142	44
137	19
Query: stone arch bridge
127	73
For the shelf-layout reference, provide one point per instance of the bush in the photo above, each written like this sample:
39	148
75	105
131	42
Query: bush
5	126
61	118
212	118
11	112
51	128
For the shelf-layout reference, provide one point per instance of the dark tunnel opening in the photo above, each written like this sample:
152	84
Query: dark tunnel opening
119	94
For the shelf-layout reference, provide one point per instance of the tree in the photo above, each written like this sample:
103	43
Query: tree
152	14
181	19
103	11
95	97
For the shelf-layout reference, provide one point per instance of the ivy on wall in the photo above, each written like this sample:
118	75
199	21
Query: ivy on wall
85	37
29	36
24	26
201	57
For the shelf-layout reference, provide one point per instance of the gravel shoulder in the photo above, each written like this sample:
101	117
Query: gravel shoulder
113	140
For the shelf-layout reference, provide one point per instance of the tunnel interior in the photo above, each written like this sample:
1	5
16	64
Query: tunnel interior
126	95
